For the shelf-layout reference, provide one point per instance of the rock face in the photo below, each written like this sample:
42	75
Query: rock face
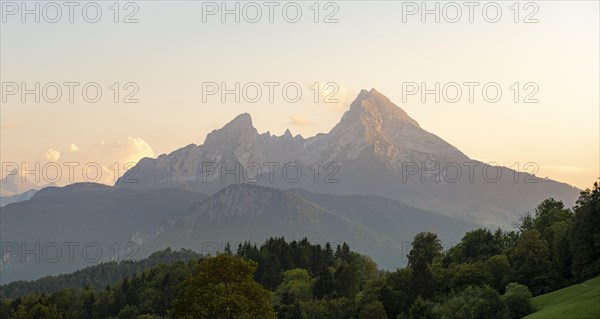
376	148
375	124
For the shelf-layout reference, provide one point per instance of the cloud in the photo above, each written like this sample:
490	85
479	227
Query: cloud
131	150
51	155
300	120
100	163
335	97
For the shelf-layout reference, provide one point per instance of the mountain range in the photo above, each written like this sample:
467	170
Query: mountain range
376	149
62	229
96	215
373	181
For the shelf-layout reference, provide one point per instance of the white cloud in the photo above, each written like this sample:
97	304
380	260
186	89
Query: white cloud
104	162
131	150
335	97
51	155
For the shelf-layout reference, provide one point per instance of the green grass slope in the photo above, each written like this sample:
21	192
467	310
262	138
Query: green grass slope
577	301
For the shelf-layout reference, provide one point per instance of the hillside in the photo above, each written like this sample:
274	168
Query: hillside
576	301
97	276
81	215
378	227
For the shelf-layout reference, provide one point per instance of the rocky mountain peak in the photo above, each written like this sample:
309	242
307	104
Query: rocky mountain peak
241	123
374	105
287	134
238	129
374	123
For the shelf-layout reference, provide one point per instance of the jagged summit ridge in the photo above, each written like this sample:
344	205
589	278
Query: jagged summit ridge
373	126
287	134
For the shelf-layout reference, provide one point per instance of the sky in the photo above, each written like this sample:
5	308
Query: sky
170	55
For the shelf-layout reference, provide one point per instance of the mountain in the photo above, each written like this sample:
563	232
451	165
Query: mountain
13	184
379	227
61	229
15	189
374	180
375	125
27	195
375	149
